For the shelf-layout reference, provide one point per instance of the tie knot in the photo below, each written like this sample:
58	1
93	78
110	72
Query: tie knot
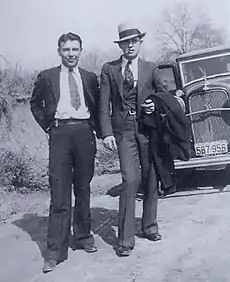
70	69
129	63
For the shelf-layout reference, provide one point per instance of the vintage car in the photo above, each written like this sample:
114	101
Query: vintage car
202	79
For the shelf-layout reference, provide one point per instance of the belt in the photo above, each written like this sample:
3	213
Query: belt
132	112
70	121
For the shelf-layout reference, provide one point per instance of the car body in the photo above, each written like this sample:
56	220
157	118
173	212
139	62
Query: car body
202	79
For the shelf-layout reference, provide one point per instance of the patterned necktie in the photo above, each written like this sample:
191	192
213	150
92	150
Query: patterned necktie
129	79
74	91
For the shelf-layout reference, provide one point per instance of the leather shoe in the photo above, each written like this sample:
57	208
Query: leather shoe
115	190
89	248
153	237
49	265
169	191
123	251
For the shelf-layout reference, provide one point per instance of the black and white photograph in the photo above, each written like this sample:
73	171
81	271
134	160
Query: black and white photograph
115	141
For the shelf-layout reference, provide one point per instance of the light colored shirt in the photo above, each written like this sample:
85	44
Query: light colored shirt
64	109
133	67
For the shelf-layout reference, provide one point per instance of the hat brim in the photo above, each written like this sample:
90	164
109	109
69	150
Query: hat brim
141	35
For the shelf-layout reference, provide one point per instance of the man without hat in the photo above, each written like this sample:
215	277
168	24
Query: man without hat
64	103
125	85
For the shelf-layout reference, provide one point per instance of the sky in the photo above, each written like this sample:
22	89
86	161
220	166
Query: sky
30	28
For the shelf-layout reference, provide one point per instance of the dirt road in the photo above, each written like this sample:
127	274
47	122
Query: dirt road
195	226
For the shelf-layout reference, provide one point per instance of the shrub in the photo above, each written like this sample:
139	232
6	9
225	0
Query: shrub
17	83
21	171
106	161
15	86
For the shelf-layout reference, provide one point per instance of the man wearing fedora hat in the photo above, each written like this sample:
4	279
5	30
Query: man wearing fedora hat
125	85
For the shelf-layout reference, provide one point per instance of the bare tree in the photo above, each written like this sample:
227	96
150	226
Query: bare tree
93	60
3	60
182	31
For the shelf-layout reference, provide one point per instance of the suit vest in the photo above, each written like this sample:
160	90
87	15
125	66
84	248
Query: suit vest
129	98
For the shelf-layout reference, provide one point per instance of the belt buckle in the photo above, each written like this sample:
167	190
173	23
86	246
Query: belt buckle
132	112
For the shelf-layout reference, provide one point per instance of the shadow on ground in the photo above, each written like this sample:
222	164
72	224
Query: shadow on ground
104	220
103	223
191	180
36	227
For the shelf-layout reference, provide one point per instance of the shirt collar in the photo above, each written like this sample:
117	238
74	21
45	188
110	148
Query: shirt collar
66	70
125	61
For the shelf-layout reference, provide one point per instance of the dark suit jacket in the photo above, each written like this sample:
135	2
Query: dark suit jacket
169	131
46	95
112	118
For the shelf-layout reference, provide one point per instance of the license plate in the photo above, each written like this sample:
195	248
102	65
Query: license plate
211	148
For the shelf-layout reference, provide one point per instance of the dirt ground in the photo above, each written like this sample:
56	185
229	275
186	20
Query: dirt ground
195	225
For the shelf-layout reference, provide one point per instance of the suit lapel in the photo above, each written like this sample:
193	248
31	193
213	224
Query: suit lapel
87	92
117	74
55	82
143	75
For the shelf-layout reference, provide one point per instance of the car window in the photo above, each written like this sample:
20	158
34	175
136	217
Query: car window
210	66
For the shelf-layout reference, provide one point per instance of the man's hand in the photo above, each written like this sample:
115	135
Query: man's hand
148	106
110	143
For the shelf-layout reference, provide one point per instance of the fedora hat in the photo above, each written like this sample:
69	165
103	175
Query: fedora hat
127	31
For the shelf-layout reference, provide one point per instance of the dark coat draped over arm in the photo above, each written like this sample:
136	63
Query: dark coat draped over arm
169	131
